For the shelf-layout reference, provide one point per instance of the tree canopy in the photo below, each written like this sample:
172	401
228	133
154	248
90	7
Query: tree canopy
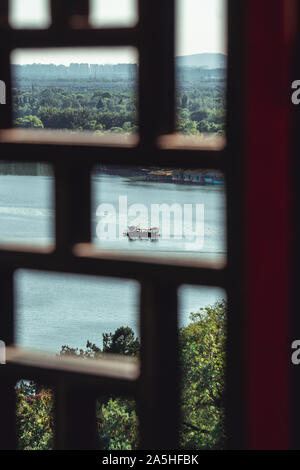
199	109
202	358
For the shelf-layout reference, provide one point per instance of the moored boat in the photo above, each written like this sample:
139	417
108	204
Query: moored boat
137	233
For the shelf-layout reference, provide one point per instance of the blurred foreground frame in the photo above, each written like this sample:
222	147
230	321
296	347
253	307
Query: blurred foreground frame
254	388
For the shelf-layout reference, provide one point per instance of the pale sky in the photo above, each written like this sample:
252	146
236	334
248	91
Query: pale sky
200	28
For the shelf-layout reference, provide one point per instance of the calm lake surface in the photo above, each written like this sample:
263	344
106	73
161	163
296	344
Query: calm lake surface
57	309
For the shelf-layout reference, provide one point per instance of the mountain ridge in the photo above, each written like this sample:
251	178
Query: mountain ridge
205	59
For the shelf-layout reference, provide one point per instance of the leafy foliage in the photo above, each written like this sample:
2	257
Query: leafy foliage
202	352
64	108
202	355
199	109
117	420
35	421
122	341
29	121
118	424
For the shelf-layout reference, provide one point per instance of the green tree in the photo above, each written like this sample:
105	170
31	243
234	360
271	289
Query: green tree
122	341
29	121
118	424
202	357
35	417
184	101
199	115
202	353
116	417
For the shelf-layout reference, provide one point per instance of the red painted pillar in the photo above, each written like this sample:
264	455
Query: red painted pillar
267	223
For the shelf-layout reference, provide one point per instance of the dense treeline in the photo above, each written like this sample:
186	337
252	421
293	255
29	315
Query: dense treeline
199	110
60	108
202	357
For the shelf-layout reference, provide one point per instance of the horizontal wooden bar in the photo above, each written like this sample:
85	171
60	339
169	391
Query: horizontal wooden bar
204	142
49	38
88	149
110	373
61	137
89	260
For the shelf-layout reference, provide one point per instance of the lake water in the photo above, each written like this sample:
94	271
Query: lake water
57	309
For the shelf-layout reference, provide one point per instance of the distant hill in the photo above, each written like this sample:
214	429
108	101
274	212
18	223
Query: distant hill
210	61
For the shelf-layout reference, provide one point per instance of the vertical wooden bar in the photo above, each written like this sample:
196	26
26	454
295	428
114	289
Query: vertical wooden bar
5	77
60	437
267	225
4	13
295	235
75	418
5	71
235	370
81	7
159	394
7	413
6	307
73	205
59	14
156	69
7	387
69	13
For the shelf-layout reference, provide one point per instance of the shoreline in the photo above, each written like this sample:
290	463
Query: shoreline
139	174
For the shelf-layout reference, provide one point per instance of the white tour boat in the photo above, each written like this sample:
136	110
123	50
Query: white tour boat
137	233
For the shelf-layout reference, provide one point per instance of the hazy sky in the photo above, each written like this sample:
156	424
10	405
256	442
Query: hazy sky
200	28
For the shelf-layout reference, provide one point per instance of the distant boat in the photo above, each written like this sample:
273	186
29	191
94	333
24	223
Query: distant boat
219	180
137	233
